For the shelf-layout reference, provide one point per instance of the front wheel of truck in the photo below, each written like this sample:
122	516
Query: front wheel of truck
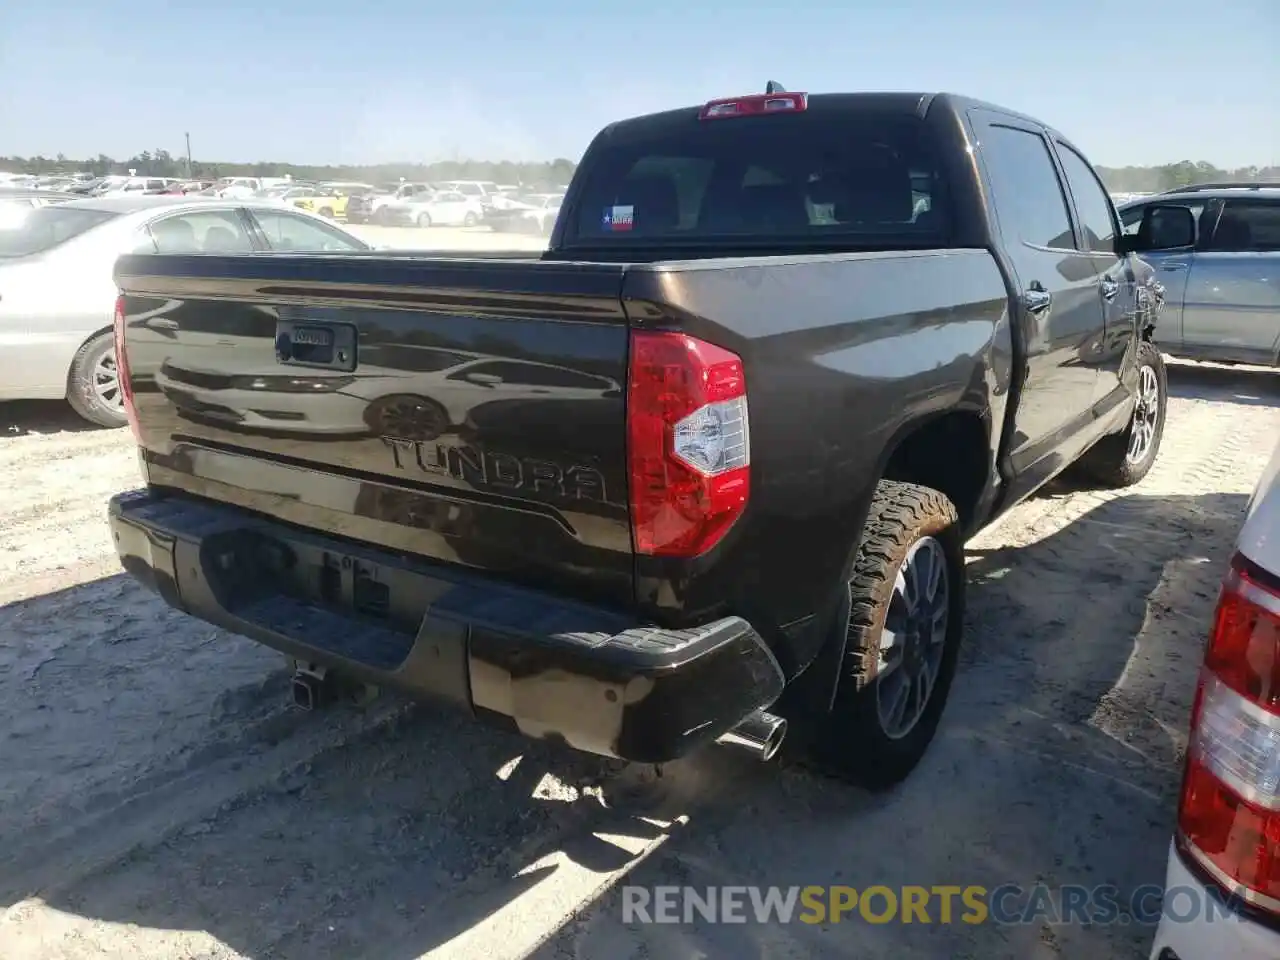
906	618
1124	458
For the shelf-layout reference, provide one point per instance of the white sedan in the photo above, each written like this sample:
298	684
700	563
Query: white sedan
1222	890
444	209
58	292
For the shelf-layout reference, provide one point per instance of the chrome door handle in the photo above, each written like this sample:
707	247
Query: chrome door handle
1037	299
1109	289
1173	266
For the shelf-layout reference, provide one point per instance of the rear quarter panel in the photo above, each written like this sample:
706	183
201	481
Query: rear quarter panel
843	356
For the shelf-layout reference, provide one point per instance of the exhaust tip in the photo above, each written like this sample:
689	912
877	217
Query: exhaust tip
774	743
761	735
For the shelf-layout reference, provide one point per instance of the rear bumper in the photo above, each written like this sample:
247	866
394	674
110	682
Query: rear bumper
550	668
1189	930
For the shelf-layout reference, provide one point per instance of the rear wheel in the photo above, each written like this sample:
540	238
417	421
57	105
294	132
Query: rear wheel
906	618
469	220
326	212
93	385
1123	459
424	219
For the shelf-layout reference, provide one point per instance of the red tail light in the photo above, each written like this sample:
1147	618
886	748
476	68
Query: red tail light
689	446
754	105
122	369
1229	816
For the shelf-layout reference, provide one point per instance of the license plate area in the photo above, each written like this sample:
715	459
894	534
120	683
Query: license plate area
349	583
316	344
245	567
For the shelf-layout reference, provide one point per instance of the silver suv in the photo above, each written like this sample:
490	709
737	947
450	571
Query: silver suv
1222	295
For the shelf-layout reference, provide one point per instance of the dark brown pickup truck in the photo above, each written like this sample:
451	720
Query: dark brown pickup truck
704	467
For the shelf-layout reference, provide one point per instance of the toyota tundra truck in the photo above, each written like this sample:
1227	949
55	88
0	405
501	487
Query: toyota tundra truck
703	469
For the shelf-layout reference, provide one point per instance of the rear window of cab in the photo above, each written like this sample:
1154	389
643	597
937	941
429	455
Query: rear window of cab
862	175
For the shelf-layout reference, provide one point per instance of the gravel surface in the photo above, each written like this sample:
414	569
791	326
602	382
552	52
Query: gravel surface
159	798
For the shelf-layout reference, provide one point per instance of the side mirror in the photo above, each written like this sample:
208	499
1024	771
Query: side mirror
1163	227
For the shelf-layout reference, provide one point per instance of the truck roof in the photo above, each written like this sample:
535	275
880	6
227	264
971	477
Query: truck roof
919	103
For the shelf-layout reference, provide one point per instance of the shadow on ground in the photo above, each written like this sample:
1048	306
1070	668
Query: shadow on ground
1249	386
21	417
388	832
1058	762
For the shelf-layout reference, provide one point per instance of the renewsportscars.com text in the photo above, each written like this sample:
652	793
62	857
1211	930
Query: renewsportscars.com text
972	904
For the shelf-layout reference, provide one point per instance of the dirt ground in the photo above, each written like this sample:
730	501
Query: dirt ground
159	798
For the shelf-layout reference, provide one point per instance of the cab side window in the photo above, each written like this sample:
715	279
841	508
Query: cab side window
1094	206
1028	194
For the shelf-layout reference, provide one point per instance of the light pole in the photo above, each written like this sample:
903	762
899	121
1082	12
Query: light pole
188	136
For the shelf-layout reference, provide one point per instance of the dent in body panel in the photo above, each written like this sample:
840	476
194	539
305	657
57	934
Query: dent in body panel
840	354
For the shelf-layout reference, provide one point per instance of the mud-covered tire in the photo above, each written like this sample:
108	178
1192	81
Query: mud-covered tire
1108	462
85	387
852	741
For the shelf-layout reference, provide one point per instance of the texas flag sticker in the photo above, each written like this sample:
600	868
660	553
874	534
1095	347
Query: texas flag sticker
617	219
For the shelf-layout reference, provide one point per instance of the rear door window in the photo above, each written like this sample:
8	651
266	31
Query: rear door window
205	231
856	176
1028	195
1247	226
290	232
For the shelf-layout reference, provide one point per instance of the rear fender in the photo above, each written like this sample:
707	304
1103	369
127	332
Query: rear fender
814	688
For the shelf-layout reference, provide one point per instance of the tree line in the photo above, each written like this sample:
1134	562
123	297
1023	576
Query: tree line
161	163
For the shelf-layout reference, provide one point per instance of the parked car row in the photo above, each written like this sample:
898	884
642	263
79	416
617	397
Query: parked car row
460	203
464	203
56	262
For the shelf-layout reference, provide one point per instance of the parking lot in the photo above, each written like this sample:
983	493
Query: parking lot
162	799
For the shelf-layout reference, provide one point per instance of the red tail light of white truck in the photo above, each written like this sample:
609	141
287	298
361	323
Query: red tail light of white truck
122	369
688	443
1229	815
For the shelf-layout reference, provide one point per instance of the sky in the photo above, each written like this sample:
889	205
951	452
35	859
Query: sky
424	80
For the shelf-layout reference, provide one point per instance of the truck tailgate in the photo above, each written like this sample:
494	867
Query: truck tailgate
469	411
